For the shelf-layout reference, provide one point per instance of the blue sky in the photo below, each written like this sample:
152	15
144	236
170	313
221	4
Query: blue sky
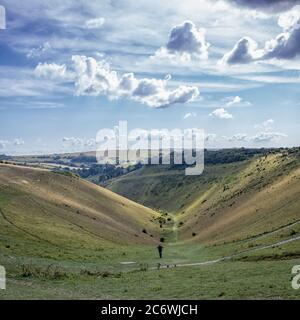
70	68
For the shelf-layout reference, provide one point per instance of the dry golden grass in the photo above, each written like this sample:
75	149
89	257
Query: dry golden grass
261	198
54	205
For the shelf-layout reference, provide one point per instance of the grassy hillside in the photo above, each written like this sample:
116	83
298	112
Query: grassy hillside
53	215
228	202
233	232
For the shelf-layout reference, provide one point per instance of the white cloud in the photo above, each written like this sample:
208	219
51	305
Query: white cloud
239	137
50	70
18	142
95	23
221	113
39	51
90	142
96	78
210	137
185	42
288	20
3	144
190	115
154	93
268	136
16	82
72	141
233	101
75	143
285	45
264	135
236	101
260	137
244	51
266	125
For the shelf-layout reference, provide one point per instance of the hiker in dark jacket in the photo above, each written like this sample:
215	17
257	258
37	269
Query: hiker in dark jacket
160	250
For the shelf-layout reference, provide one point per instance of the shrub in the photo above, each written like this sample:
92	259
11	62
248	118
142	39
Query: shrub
97	273
51	272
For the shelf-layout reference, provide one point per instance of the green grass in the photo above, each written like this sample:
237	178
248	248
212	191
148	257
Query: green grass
53	251
228	280
88	274
227	202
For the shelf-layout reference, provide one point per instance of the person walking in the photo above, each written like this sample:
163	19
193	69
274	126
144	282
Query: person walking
160	250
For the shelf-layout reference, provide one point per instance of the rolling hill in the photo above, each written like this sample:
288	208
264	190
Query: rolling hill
232	232
43	211
230	201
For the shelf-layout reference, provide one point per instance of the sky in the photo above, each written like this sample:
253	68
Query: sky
70	68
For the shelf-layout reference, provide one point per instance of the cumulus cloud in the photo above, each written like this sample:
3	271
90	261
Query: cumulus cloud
95	23
244	51
189	115
266	125
97	78
94	77
246	139
239	137
185	42
289	19
50	70
268	136
221	113
267	5
264	136
286	45
154	93
39	51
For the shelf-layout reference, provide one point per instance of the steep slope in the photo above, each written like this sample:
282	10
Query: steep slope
62	210
168	188
228	202
260	198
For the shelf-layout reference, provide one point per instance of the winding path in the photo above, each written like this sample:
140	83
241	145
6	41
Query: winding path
276	244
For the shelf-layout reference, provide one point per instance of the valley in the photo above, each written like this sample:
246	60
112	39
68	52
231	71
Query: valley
232	232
